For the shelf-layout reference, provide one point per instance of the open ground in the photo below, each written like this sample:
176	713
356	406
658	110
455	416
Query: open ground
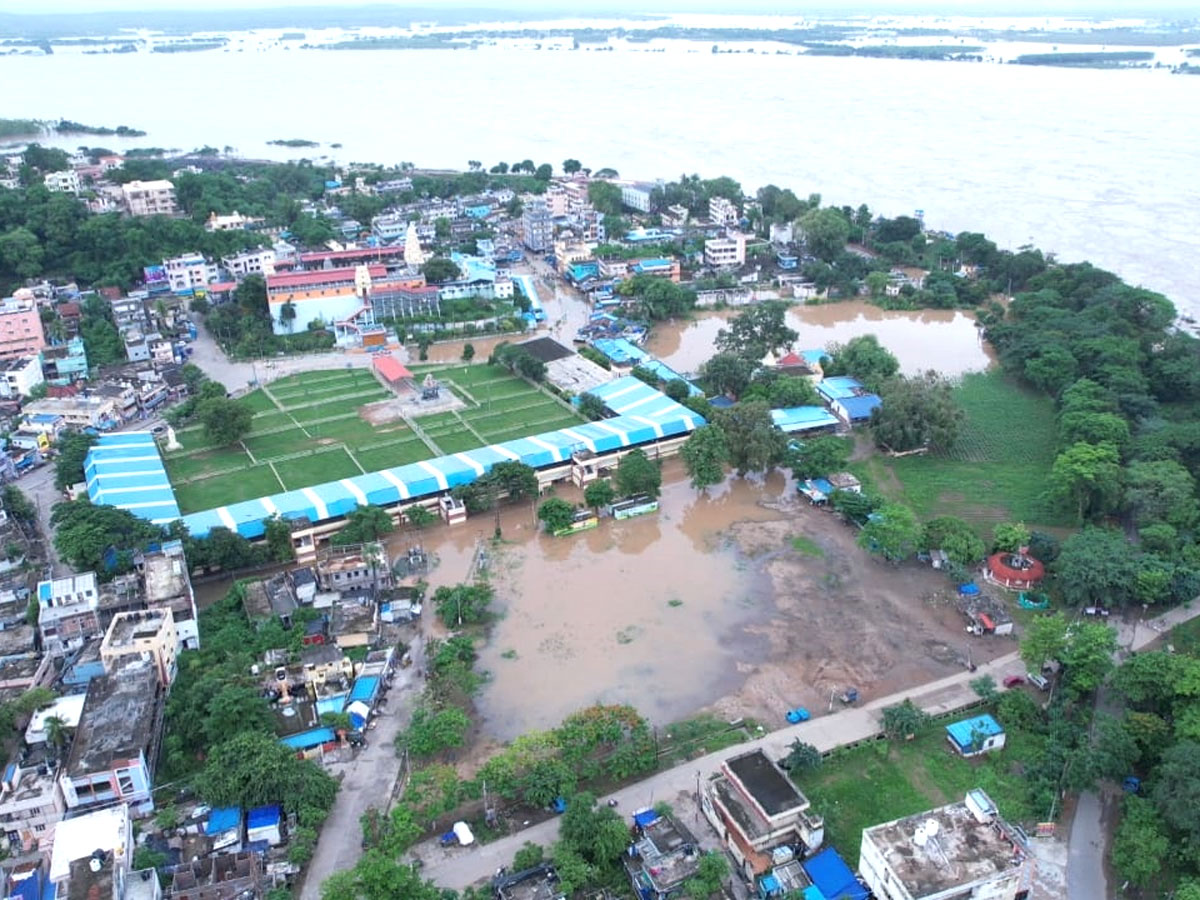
320	426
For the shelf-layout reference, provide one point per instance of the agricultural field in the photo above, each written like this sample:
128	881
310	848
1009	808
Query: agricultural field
996	470
309	428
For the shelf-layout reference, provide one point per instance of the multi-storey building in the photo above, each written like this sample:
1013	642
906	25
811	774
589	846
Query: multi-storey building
20	375
21	331
637	196
537	226
725	253
149	198
250	262
188	272
722	211
64	182
142	634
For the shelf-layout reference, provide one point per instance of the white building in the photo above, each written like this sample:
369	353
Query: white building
18	377
233	222
637	196
725	253
722	212
188	272
149	198
65	182
67	709
250	262
68	611
961	850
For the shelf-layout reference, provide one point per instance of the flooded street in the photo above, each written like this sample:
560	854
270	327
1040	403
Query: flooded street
942	339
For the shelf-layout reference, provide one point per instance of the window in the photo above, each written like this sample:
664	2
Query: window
39	828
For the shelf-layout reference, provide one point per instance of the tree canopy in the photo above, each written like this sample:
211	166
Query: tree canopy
638	474
760	330
753	442
864	358
704	456
916	413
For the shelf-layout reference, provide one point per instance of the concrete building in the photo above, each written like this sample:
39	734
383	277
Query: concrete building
537	226
664	855
722	211
755	808
65	182
93	855
141	635
960	850
20	375
21	331
169	587
65	363
79	411
250	262
116	744
149	198
637	196
235	221
352	569
68	611
725	253
128	312
189	272
975	736
67	709
336	297
31	802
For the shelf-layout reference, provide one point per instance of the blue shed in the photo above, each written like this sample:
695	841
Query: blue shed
830	874
971	737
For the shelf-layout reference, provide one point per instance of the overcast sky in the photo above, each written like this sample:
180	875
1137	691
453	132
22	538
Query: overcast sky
1131	8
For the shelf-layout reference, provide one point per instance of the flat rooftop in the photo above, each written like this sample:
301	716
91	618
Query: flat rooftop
962	851
128	627
166	576
118	720
765	783
667	855
539	883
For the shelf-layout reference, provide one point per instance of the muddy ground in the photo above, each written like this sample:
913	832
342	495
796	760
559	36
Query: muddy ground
704	606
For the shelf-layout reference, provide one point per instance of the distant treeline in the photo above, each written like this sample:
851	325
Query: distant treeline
895	51
293	142
1089	60
10	128
66	126
189	46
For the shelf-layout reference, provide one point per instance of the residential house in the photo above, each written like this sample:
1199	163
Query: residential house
149	198
539	883
25	670
963	849
80	411
93	857
128	313
675	216
637	196
19	375
249	262
849	400
358	569
66	709
662	857
137	346
68	611
725	253
188	272
168	586
756	808
65	182
31	801
65	363
537	226
21	332
975	736
116	744
354	622
723	212
232	222
267	598
222	876
140	635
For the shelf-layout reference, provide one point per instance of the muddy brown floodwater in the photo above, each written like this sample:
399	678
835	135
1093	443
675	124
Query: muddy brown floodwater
942	339
703	606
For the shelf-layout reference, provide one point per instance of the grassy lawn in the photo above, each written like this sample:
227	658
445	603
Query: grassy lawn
309	470
221	490
995	472
508	407
879	782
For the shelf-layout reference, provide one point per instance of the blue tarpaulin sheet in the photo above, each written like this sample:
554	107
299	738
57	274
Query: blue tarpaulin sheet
644	817
829	872
224	818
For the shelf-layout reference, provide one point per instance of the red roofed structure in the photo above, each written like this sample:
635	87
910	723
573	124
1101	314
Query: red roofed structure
299	281
393	372
1015	571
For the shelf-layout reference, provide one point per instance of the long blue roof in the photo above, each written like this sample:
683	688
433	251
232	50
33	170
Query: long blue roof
803	418
126	471
642	414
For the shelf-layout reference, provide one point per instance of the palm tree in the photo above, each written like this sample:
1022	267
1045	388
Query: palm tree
56	731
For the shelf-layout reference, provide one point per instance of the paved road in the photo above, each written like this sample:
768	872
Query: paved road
367	780
39	487
458	867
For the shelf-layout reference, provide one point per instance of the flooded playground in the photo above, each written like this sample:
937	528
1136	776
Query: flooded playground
706	605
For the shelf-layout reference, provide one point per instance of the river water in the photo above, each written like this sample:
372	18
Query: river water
1090	164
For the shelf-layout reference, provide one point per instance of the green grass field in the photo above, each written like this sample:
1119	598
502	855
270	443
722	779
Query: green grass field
996	470
307	429
864	786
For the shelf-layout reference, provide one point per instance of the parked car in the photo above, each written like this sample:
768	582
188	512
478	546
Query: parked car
1095	611
1038	681
1012	681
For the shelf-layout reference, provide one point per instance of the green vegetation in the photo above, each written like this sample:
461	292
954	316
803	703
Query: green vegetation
307	429
13	128
994	471
1091	60
293	142
807	546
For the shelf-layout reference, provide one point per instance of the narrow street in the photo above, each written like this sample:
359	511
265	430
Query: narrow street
367	779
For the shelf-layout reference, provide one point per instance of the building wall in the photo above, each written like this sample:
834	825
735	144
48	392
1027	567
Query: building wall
19	381
149	198
328	306
128	781
163	646
21	331
636	197
886	885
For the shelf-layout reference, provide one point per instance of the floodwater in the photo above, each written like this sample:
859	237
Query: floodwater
654	612
942	339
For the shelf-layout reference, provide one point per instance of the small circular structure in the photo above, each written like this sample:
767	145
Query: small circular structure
1015	571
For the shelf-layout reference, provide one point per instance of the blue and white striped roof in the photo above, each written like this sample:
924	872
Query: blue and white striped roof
125	470
643	414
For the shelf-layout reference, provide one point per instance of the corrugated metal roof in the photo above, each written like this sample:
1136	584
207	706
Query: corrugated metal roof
643	414
125	470
965	732
803	418
838	386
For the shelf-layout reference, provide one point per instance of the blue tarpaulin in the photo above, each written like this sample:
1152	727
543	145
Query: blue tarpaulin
644	817
829	872
225	818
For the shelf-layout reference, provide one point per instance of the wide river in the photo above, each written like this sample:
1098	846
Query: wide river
1089	164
